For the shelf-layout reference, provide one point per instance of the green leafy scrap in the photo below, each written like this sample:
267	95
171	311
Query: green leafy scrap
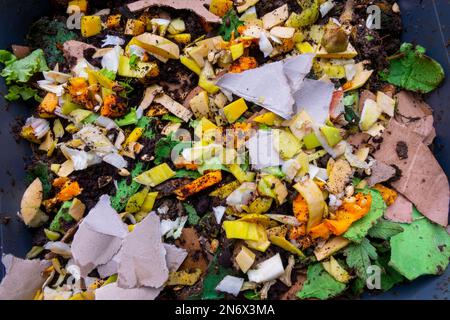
216	272
389	276
171	118
230	24
320	284
41	171
146	123
385	229
422	248
126	188
24	92
50	34
128	119
360	228
7	57
111	75
62	216
22	70
183	173
359	257
193	217
412	70
164	146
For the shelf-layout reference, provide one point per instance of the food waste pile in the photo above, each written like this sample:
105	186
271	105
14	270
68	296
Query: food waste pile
246	149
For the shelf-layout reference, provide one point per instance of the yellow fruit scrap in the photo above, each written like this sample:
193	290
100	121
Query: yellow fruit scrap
90	26
220	7
286	245
242	230
225	190
134	27
234	110
81	4
155	176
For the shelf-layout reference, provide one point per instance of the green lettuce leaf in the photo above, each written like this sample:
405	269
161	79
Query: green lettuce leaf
411	69
25	92
7	57
320	284
22	70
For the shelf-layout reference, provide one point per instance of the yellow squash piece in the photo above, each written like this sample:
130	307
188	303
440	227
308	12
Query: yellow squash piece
347	54
142	69
240	174
286	144
225	190
263	243
268	118
81	4
190	64
136	201
242	230
156	175
90	26
234	110
336	270
220	7
182	38
134	27
331	247
158	45
314	198
237	50
286	245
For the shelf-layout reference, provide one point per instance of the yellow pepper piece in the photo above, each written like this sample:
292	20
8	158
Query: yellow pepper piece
204	126
304	47
234	110
207	85
136	201
155	176
81	4
286	245
190	64
220	7
131	227
263	243
142	70
240	174
90	26
242	230
268	118
182	38
237	50
135	135
149	201
225	190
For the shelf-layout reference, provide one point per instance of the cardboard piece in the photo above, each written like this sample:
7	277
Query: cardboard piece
23	278
400	211
414	113
143	256
99	237
423	181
